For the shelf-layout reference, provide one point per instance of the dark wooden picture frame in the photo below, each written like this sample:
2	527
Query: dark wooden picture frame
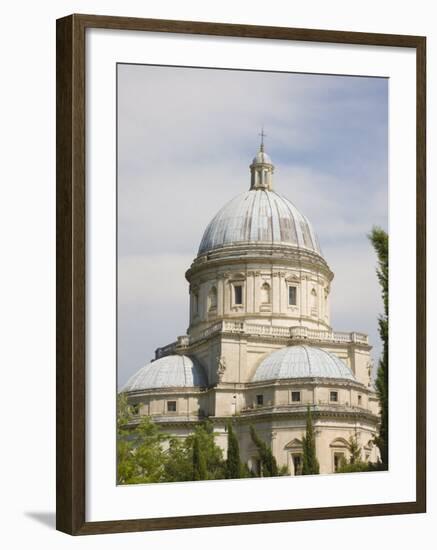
70	257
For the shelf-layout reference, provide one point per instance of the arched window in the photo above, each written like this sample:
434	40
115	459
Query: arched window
265	293
212	299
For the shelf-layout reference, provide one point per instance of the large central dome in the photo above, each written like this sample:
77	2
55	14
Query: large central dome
259	216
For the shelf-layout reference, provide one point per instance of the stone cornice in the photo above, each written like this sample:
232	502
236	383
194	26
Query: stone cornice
259	254
274	414
289	412
311	382
245	386
187	391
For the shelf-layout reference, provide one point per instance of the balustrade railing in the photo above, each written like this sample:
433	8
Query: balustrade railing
242	327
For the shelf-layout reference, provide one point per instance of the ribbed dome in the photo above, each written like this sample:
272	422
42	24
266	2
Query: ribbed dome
262	158
172	371
259	216
302	362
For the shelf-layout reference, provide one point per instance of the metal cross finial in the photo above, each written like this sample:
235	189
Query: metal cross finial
263	135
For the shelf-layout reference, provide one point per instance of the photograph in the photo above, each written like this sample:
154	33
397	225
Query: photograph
252	274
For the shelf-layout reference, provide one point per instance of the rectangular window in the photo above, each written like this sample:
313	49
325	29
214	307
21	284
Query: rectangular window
297	463
135	408
238	294
338	461
295	396
292	295
260	399
171	406
359	400
333	396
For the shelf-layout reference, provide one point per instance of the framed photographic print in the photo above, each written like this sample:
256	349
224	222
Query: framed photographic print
240	274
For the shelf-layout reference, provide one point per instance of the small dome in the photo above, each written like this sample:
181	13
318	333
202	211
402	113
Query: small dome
302	362
261	158
259	216
172	371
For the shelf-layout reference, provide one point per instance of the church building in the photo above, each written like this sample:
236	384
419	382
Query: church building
260	347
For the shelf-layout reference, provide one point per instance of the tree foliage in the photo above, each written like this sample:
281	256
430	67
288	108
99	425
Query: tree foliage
356	463
354	449
147	455
348	468
379	240
195	457
268	464
199	460
140	455
233	462
310	464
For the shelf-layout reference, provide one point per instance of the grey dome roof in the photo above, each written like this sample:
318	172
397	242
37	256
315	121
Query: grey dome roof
172	371
259	216
262	158
302	362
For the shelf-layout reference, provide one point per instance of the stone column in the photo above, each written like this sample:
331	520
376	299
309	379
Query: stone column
276	278
242	361
220	296
250	286
226	295
304	296
256	295
283	292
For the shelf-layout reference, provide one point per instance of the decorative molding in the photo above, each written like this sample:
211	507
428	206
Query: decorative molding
294	444
237	277
221	368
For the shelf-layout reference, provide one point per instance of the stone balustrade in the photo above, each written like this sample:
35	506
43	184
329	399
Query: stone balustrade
292	334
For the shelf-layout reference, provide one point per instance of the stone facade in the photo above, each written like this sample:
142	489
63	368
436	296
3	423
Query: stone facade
253	293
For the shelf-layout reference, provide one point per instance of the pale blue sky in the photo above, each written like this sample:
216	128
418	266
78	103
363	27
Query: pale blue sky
186	138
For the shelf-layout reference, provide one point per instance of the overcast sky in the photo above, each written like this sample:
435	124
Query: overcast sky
186	138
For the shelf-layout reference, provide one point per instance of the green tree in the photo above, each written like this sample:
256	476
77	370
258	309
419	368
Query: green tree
178	464
355	464
268	464
215	463
348	468
199	461
233	463
310	464
379	240
182	454
140	454
354	449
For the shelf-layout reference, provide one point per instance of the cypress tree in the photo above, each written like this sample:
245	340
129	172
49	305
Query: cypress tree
310	464
355	450
233	463
269	466
199	462
379	240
